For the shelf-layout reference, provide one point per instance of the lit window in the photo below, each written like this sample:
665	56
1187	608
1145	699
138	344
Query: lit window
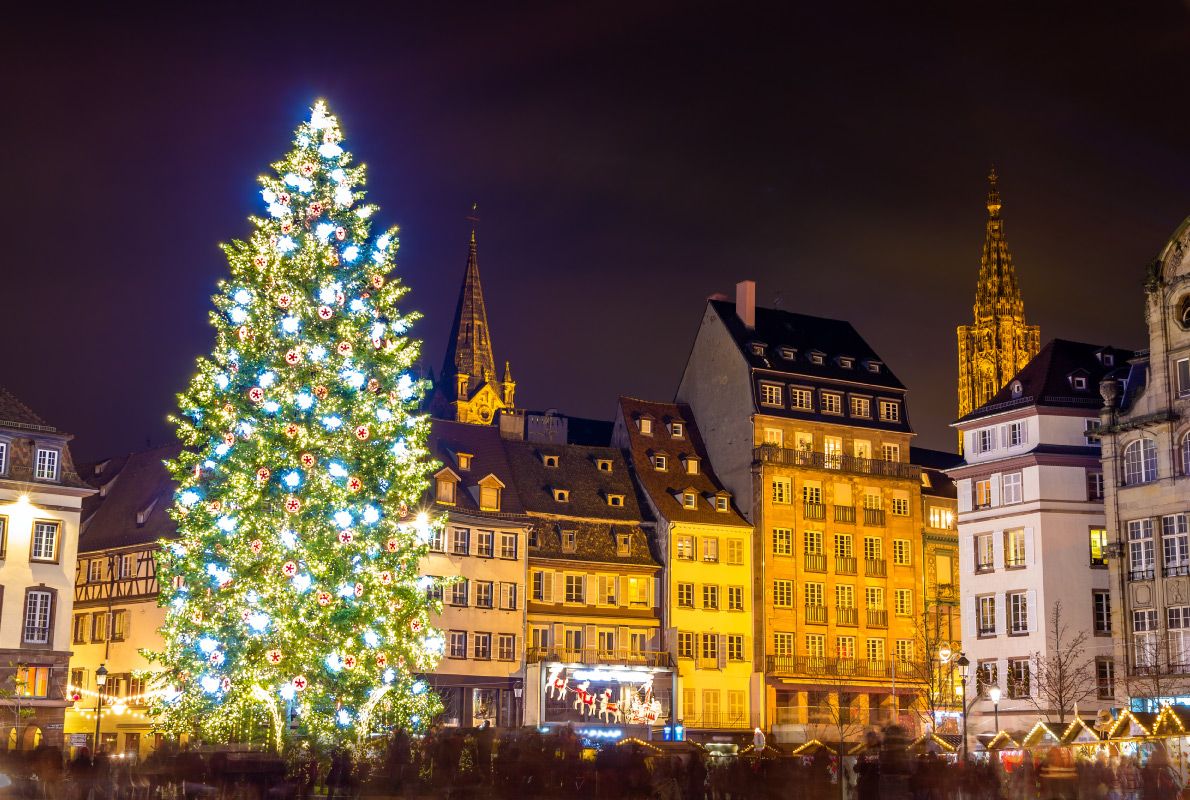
722	503
691	465
446	491
1018	612
861	407
802	399
464	460
490	490
782	490
549	460
890	452
645	425
562	495
45	541
1140	462
47	465
615	500
770	395
660	462
677	430
817	357
890	411
684	546
832	403
32	681
603	464
689	500
788	353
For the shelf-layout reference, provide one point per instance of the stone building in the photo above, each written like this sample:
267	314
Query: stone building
809	430
1032	539
1145	432
41	498
998	343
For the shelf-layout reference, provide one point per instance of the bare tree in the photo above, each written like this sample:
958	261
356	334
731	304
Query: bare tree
932	681
836	718
1064	675
1145	676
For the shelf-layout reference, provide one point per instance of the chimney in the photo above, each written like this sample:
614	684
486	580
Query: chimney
745	303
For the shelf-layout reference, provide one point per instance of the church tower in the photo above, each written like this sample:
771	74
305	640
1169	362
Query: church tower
468	389
998	343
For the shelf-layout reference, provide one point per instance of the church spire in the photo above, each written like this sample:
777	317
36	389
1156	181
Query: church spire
998	293
470	349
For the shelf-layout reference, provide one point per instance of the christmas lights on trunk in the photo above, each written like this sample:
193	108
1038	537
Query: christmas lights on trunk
292	589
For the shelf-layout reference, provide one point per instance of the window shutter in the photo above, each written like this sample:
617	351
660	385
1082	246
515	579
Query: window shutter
622	640
969	618
998	545
621	590
1029	556
602	584
722	651
1031	599
590	639
547	586
1001	613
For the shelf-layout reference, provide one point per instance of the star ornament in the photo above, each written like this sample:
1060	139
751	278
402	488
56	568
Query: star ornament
307	460
284	300
256	394
256	546
263	474
349	661
273	656
290	429
359	590
289	569
344	348
362	432
381	660
320	392
386	577
392	545
354	484
346	537
293	357
300	682
293	505
325	312
416	625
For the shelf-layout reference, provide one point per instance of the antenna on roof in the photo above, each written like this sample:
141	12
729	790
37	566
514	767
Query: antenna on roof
473	218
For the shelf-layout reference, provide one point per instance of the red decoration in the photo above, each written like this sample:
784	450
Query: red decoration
324	598
216	658
289	569
377	343
416	625
345	537
262	474
386	577
259	261
286	226
361	432
256	394
307	460
392	545
354	484
214	506
225	684
291	429
229	438
243	333
320	392
359	590
227	409
315	208
377	281
256	546
284	300
349	661
340	233
307	169
300	683
403	511
75	696
344	348
293	505
381	660
373	385
292	357
283	198
340	298
325	312
273	656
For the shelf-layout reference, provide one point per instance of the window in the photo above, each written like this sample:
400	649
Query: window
623	544
1140	462
80	629
983	493
902	552
1018	678
710	597
941	518
735	648
459	592
832	403
508	596
802	399
782	644
638	591
1105	678
900	506
489	494
569	541
32	681
832	451
1175	544
677	429
684	547
710	548
1185	453
985	613
843	545
484	594
119	625
710	646
37	617
890	411
890	452
124	566
1015	434
458	644
615	500
1140	549
685	644
875	649
722	503
691	463
482	646
603	464
3	457
1011	487
861	407
434	591
1018	612
815	645
95	570
1098	537
460	541
815	592
484	544
782	541
1014	548
735	551
1101	605
782	490
1079	382
508	542
550	461
845	647
783	593
1091	431
812	492
445	490
774	436
689	500
1177	620
770	395
984	552
1183	370
660	462
903	602
645	424
576	586
686	595
45	541
844	595
812	542
437	540
874	598
1144	638
873	548
562	495
872	499
987	675
735	598
1094	485
506	647
46	468
606	593
817	358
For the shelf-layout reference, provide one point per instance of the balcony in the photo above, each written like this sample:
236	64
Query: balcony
845	514
597	655
1174	570
787	715
703	662
874	516
845	615
788	666
816	615
877	618
986	630
875	567
815	562
1014	561
845	565
814	510
982	567
722	720
837	462
1140	574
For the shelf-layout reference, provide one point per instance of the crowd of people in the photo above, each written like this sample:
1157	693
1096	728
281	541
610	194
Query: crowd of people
527	763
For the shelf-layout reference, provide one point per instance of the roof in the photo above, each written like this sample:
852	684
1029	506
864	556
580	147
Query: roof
578	473
16	414
777	329
129	486
935	482
482	442
469	345
28	427
1047	380
594	541
664	487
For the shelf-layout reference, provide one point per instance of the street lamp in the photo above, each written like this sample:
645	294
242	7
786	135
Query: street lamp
963	664
994	694
100	682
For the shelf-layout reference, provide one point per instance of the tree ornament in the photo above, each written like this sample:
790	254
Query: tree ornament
273	656
229	439
321	392
377	281
256	394
403	510
293	505
392	545
307	460
359	590
378	343
214	506
315	208
289	569
381	660
325	312
345	537
225	683
340	233
373	385
324	598
292	357
361	432
286	227
344	348
256	546
283	198
228	409
349	661
291	429
416	625
243	333
263	474
354	484
307	169
300	683
386	577
284	300
259	261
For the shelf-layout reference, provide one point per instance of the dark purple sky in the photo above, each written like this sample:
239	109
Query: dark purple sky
628	162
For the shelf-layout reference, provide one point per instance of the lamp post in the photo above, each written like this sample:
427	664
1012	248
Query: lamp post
994	694
100	682
963	664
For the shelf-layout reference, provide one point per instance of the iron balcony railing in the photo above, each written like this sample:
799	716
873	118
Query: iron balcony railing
816	615
875	567
844	513
788	456
815	562
849	667
877	618
1140	574
873	516
845	565
813	510
597	655
846	615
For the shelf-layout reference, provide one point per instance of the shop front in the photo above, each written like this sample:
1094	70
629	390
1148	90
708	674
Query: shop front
611	701
472	701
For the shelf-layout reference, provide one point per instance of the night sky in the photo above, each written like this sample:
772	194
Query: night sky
629	161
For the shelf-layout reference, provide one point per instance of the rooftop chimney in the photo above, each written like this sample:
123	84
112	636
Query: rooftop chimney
745	303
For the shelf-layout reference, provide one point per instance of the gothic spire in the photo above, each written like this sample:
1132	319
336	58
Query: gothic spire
469	351
997	294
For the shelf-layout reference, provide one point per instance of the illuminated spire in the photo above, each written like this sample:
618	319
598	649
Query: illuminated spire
997	293
470	351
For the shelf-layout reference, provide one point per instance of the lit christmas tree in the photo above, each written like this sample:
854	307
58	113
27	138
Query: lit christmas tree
294	598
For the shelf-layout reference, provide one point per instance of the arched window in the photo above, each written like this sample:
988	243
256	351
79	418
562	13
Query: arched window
1185	451
1140	462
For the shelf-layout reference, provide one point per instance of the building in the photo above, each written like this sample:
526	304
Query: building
596	653
1032	538
809	430
705	546
468	390
1146	476
116	615
41	498
998	343
481	675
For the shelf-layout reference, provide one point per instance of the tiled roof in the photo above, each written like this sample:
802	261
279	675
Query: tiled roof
129	486
594	541
936	482
578	473
12	410
25	427
1046	381
665	487
804	334
483	443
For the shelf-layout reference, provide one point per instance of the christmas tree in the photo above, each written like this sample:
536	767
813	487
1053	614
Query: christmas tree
293	594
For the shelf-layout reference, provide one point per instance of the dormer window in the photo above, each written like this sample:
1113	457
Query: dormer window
491	490
603	464
723	502
464	460
446	484
46	464
1079	381
623	544
846	362
691	463
142	516
549	461
1017	389
677	429
660	462
645	426
817	357
771	394
569	541
689	499
873	367
1108	359
756	348
788	353
562	495
615	500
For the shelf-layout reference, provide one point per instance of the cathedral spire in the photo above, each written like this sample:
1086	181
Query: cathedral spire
470	350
